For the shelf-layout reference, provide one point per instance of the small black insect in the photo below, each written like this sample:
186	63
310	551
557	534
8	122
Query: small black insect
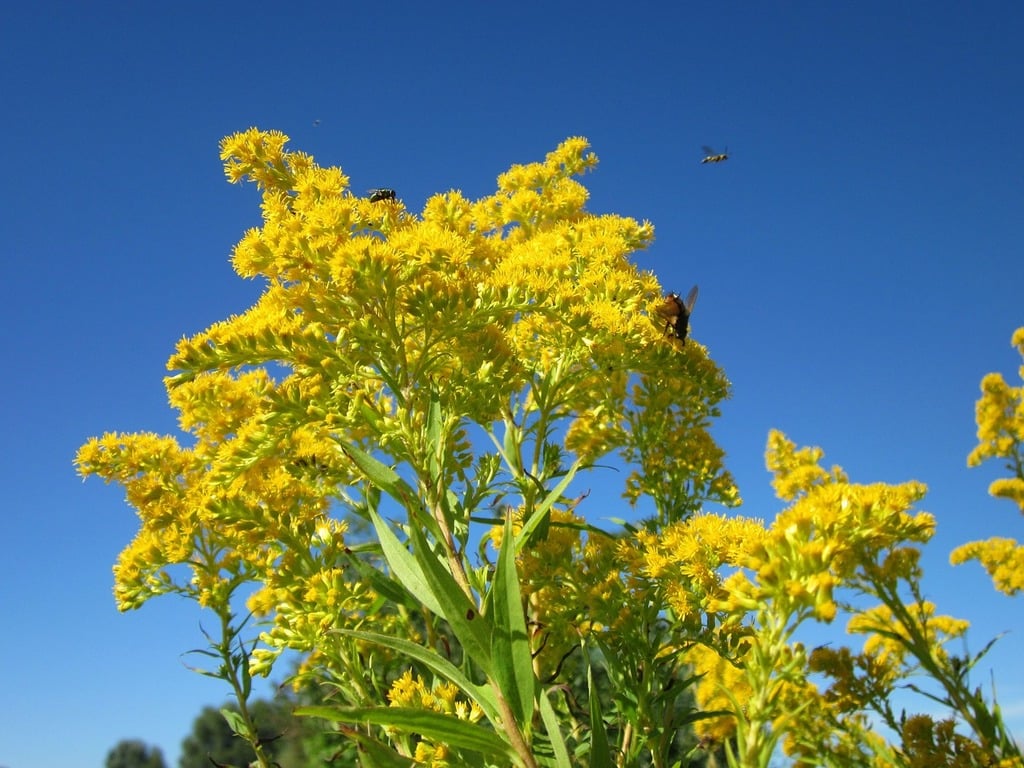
378	195
310	463
676	312
710	156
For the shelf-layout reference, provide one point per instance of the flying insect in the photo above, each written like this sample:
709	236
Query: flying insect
676	312
378	195
710	156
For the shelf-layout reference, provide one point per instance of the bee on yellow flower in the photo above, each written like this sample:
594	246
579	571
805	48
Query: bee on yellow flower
676	312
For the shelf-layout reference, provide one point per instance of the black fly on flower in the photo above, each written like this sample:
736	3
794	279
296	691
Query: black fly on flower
379	195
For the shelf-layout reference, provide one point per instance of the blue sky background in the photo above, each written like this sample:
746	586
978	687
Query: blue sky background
859	256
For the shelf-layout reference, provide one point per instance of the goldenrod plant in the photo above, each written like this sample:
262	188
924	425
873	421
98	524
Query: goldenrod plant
851	550
434	375
1000	418
387	470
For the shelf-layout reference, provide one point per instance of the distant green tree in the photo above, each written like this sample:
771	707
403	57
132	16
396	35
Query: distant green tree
132	753
212	737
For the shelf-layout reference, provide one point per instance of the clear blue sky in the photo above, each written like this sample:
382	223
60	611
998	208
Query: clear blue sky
859	256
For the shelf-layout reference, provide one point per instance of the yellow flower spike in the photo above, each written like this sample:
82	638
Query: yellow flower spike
1002	558
255	154
1011	488
718	678
1000	418
999	414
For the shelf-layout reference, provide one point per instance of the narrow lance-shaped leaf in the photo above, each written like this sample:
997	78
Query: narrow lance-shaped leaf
433	430
243	666
237	724
403	565
551	725
384	477
536	526
513	662
448	729
472	629
482	695
373	754
600	753
381	475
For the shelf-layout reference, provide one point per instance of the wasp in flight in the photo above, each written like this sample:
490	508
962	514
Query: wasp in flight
377	195
676	312
710	156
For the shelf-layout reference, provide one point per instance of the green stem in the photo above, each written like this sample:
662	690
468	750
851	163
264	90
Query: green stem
240	687
512	729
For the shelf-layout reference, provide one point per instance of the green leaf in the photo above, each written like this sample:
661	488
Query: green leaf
434	445
243	665
472	628
381	475
237	724
600	753
551	725
435	726
403	565
481	694
510	447
536	526
370	416
513	662
373	754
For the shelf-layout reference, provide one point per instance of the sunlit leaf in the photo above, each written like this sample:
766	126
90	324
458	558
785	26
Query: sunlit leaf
513	663
403	565
446	729
482	695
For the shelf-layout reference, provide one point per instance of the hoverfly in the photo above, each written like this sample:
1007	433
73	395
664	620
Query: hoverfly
377	195
710	156
676	312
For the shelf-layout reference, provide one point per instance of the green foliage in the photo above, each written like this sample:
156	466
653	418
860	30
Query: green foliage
132	753
215	735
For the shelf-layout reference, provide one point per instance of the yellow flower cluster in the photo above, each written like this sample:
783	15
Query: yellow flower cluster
1003	559
832	531
835	535
411	691
928	742
722	684
482	298
224	508
1000	417
690	559
887	636
796	470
